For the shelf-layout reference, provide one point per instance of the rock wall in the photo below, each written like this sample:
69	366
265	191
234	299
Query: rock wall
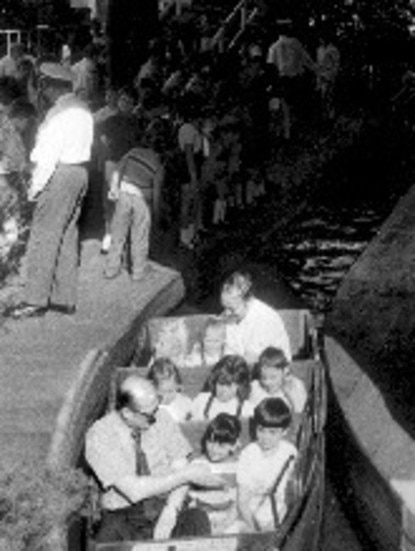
373	319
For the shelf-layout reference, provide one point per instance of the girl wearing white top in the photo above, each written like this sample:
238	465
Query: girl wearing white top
165	376
220	444
265	467
227	391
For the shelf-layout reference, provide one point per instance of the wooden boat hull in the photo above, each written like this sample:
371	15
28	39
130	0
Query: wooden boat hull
374	508
90	398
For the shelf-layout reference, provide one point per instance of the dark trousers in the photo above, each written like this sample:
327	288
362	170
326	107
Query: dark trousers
132	524
52	256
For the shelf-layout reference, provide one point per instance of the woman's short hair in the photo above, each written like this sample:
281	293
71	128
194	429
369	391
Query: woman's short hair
272	413
239	281
162	369
230	369
223	429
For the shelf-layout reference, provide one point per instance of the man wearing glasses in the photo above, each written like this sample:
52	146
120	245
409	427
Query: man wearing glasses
140	458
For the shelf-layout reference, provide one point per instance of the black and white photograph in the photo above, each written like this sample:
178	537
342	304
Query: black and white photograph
207	275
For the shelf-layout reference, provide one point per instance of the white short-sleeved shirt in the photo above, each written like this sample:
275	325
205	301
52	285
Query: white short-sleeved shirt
258	473
111	452
216	407
294	393
261	327
180	409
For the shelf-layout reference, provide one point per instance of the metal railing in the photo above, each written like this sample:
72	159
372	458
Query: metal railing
232	28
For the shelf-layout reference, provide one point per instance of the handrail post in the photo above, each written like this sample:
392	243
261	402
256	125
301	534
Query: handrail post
243	14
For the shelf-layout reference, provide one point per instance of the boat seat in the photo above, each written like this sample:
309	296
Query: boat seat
193	380
198	340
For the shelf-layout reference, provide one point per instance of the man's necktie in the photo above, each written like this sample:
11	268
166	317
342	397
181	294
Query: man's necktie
141	459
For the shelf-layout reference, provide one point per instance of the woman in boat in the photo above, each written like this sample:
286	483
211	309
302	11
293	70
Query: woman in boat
264	468
165	376
272	378
227	391
251	325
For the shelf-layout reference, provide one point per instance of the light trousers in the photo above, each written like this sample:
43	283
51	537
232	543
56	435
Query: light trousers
53	248
132	215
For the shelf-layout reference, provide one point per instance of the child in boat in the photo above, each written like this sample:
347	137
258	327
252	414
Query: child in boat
213	341
165	376
265	467
273	378
219	445
226	391
208	351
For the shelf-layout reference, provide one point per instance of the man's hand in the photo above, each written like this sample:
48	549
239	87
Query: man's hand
201	475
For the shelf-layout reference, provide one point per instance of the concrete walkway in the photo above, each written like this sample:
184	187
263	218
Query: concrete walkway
40	358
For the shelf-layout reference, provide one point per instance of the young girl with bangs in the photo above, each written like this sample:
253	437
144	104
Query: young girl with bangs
219	445
226	391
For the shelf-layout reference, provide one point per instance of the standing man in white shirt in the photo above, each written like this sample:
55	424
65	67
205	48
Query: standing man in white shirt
251	324
58	185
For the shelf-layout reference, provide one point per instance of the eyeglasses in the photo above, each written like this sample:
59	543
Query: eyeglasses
150	418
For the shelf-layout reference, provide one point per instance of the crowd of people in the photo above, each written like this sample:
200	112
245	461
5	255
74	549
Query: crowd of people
155	485
183	144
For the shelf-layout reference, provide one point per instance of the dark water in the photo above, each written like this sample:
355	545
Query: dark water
315	253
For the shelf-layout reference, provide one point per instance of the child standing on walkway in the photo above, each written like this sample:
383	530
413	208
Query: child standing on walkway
136	187
264	468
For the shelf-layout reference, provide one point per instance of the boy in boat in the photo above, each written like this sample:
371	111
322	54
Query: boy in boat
272	377
264	468
140	458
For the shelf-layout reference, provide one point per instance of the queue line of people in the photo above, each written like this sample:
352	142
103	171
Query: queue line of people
222	488
199	150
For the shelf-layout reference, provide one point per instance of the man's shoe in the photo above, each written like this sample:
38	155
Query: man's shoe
26	311
63	309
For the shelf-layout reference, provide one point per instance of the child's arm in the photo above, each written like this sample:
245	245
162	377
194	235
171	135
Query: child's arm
114	191
243	504
168	517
